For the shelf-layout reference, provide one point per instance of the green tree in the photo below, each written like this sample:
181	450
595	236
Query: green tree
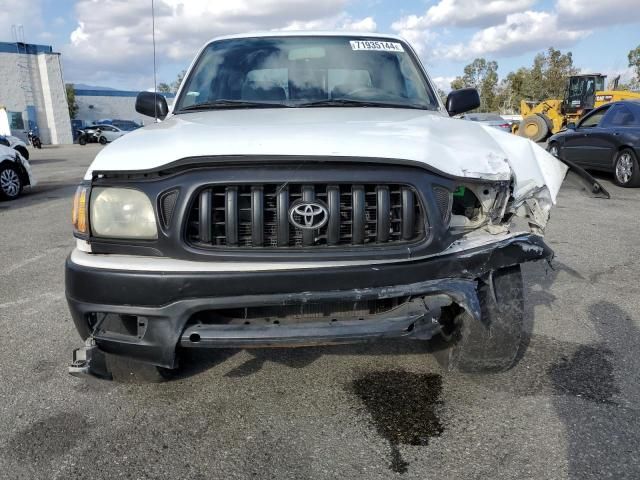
71	100
173	86
164	88
483	76
558	67
176	84
513	88
634	62
545	79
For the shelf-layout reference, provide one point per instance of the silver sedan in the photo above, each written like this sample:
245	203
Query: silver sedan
490	119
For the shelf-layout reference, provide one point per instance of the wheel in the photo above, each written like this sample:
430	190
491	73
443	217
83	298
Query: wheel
23	151
10	182
534	128
626	172
103	140
492	343
82	140
554	150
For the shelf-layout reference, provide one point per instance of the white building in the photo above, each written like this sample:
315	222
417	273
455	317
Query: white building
95	105
33	93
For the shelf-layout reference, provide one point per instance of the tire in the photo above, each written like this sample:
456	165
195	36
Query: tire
124	370
492	344
10	182
82	140
103	140
554	149
626	172
534	127
23	151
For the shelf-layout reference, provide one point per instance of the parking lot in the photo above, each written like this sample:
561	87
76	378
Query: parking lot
570	409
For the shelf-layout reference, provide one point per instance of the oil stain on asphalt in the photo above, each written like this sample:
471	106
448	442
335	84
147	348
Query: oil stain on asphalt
403	408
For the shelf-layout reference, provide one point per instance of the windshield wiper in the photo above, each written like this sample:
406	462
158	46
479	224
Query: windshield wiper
220	104
348	102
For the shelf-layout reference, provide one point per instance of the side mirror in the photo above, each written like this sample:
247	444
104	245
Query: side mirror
571	126
463	100
152	105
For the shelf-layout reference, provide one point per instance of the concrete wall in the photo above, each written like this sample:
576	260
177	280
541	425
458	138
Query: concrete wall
35	79
55	100
94	105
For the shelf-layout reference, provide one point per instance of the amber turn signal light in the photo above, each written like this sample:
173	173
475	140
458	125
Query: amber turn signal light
79	213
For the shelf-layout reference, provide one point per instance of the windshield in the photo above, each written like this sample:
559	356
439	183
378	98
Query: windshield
300	71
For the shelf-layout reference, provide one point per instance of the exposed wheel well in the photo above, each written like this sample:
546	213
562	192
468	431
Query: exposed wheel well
23	151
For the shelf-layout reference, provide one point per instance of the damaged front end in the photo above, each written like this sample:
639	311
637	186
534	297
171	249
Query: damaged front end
490	205
462	284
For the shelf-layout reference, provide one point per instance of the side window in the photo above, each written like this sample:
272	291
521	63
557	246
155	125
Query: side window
620	116
594	119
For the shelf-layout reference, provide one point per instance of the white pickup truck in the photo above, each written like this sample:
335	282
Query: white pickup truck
308	188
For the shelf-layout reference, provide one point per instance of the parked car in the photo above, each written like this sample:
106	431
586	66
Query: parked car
17	144
490	119
109	133
307	189
125	125
90	134
607	139
100	133
15	173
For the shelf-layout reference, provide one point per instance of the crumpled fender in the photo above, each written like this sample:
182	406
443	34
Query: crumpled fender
537	177
532	167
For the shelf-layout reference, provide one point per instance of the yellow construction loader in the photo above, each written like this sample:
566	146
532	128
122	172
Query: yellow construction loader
583	94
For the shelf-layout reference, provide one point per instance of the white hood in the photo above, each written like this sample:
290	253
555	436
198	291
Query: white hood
455	147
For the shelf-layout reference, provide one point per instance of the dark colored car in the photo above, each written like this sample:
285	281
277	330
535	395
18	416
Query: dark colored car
607	139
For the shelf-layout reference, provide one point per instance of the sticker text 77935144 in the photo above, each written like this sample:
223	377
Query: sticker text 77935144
376	45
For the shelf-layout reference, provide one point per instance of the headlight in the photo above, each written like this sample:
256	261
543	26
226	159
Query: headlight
122	213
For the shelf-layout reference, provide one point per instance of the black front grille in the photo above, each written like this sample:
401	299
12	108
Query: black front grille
258	216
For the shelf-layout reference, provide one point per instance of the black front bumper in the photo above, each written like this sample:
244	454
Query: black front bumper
162	304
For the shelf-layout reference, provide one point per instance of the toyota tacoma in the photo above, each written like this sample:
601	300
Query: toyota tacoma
308	188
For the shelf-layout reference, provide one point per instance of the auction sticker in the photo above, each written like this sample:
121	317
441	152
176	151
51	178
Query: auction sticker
376	45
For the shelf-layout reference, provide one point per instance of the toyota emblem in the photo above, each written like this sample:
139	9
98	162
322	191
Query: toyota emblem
308	214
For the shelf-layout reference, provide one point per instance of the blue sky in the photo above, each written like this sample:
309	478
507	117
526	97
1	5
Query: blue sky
107	42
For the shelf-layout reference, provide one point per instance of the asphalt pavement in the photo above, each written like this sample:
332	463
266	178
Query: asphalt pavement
570	409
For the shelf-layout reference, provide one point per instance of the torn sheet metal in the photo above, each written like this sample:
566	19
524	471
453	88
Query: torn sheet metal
533	167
